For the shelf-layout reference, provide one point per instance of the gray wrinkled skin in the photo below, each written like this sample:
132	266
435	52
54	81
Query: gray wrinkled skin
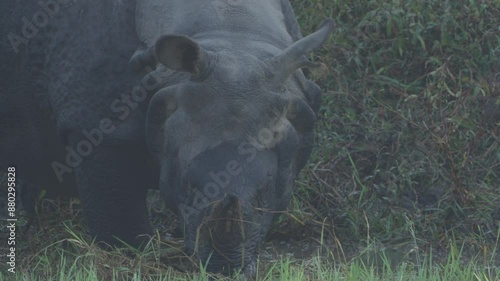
224	129
233	124
63	80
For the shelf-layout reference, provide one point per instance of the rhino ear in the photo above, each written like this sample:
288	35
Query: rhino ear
143	60
301	115
180	53
293	58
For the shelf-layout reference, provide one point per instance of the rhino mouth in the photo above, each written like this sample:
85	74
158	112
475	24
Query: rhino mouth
242	260
227	242
222	264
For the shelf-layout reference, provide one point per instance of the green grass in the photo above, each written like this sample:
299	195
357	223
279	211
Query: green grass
408	137
74	258
59	249
404	182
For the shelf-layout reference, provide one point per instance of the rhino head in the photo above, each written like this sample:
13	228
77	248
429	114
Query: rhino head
229	140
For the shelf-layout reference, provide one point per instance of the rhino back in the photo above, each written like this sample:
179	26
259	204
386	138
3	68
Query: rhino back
89	44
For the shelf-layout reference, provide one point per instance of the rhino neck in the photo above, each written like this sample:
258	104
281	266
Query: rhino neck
240	23
260	47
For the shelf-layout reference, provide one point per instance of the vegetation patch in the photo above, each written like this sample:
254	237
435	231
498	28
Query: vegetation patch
404	182
408	139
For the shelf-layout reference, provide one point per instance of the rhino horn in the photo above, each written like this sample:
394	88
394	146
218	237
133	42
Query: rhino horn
180	53
294	58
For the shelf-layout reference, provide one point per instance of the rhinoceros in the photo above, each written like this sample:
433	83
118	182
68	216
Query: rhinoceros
205	99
